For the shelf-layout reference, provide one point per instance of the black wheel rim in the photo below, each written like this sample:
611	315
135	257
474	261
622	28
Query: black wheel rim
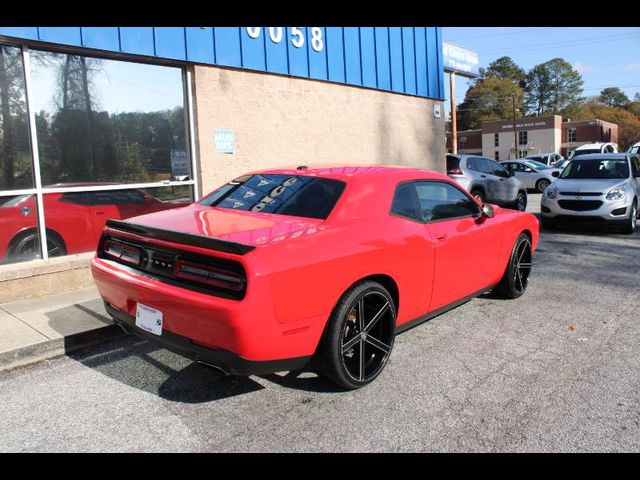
542	185
521	205
29	248
522	266
367	336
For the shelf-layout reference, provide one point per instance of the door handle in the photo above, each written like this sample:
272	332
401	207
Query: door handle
441	236
483	176
99	213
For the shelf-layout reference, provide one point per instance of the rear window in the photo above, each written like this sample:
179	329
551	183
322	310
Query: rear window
453	163
294	195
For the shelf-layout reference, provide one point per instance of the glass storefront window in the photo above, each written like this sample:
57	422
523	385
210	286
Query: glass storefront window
100	124
16	167
75	220
19	240
102	120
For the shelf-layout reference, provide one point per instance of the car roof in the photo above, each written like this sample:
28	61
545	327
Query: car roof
349	172
541	154
593	145
600	156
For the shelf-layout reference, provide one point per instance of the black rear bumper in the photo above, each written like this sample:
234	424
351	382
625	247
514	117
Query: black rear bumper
228	362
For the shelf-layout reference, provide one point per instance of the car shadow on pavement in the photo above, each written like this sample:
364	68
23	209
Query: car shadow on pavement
148	367
305	379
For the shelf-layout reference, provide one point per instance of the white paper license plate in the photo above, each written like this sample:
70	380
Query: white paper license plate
149	319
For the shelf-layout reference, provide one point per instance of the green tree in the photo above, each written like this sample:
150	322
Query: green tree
506	69
552	86
614	97
628	123
489	99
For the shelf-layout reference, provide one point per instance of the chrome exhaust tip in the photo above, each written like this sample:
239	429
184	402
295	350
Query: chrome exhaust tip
214	367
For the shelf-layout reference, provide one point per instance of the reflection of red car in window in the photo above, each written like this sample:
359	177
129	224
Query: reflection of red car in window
281	267
74	220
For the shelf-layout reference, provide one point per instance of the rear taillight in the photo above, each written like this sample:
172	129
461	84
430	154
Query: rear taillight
455	171
122	252
208	275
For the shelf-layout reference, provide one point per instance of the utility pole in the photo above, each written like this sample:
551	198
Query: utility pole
454	119
515	130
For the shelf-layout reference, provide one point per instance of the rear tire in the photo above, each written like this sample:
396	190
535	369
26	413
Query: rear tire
358	338
542	185
515	280
630	227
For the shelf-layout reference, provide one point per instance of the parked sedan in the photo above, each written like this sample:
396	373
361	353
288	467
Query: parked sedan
74	220
595	188
280	268
545	158
487	180
534	175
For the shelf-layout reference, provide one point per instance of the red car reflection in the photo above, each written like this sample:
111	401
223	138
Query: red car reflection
74	220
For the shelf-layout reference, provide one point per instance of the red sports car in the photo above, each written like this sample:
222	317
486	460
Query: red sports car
281	267
74	220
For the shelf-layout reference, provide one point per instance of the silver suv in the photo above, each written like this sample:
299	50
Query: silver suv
598	188
487	180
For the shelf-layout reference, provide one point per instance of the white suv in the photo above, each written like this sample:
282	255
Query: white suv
598	147
600	188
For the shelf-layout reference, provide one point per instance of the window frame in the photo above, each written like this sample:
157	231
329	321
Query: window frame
571	132
496	139
415	194
38	190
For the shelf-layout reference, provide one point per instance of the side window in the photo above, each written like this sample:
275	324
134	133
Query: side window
77	198
405	202
472	164
635	166
116	197
442	201
511	167
496	169
483	165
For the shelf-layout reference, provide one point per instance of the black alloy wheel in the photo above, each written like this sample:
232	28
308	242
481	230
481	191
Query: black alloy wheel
26	246
515	280
521	202
359	337
542	184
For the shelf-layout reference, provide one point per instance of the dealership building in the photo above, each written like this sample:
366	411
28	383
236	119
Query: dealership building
114	122
497	139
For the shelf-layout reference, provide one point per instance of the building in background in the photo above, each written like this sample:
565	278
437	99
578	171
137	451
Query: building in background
112	122
497	139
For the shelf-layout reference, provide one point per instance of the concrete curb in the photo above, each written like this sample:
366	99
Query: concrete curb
57	347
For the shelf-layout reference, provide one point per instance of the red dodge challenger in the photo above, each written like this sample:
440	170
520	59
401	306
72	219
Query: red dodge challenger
279	268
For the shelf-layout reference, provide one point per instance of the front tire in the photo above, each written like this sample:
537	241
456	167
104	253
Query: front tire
479	194
521	202
630	227
359	337
26	246
515	280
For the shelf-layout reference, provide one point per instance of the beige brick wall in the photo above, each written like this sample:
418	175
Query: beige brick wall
278	120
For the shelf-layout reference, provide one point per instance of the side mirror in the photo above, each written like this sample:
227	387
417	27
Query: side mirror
487	210
555	174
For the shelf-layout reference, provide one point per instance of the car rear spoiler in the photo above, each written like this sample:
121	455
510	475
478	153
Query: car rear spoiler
181	237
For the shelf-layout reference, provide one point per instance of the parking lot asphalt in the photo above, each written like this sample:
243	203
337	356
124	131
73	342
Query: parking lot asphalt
556	370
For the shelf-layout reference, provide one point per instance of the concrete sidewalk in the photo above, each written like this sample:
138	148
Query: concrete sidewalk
37	329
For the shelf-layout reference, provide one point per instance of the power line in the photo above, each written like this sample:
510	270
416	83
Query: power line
569	43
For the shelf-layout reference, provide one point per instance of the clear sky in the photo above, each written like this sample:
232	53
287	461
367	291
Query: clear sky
605	56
